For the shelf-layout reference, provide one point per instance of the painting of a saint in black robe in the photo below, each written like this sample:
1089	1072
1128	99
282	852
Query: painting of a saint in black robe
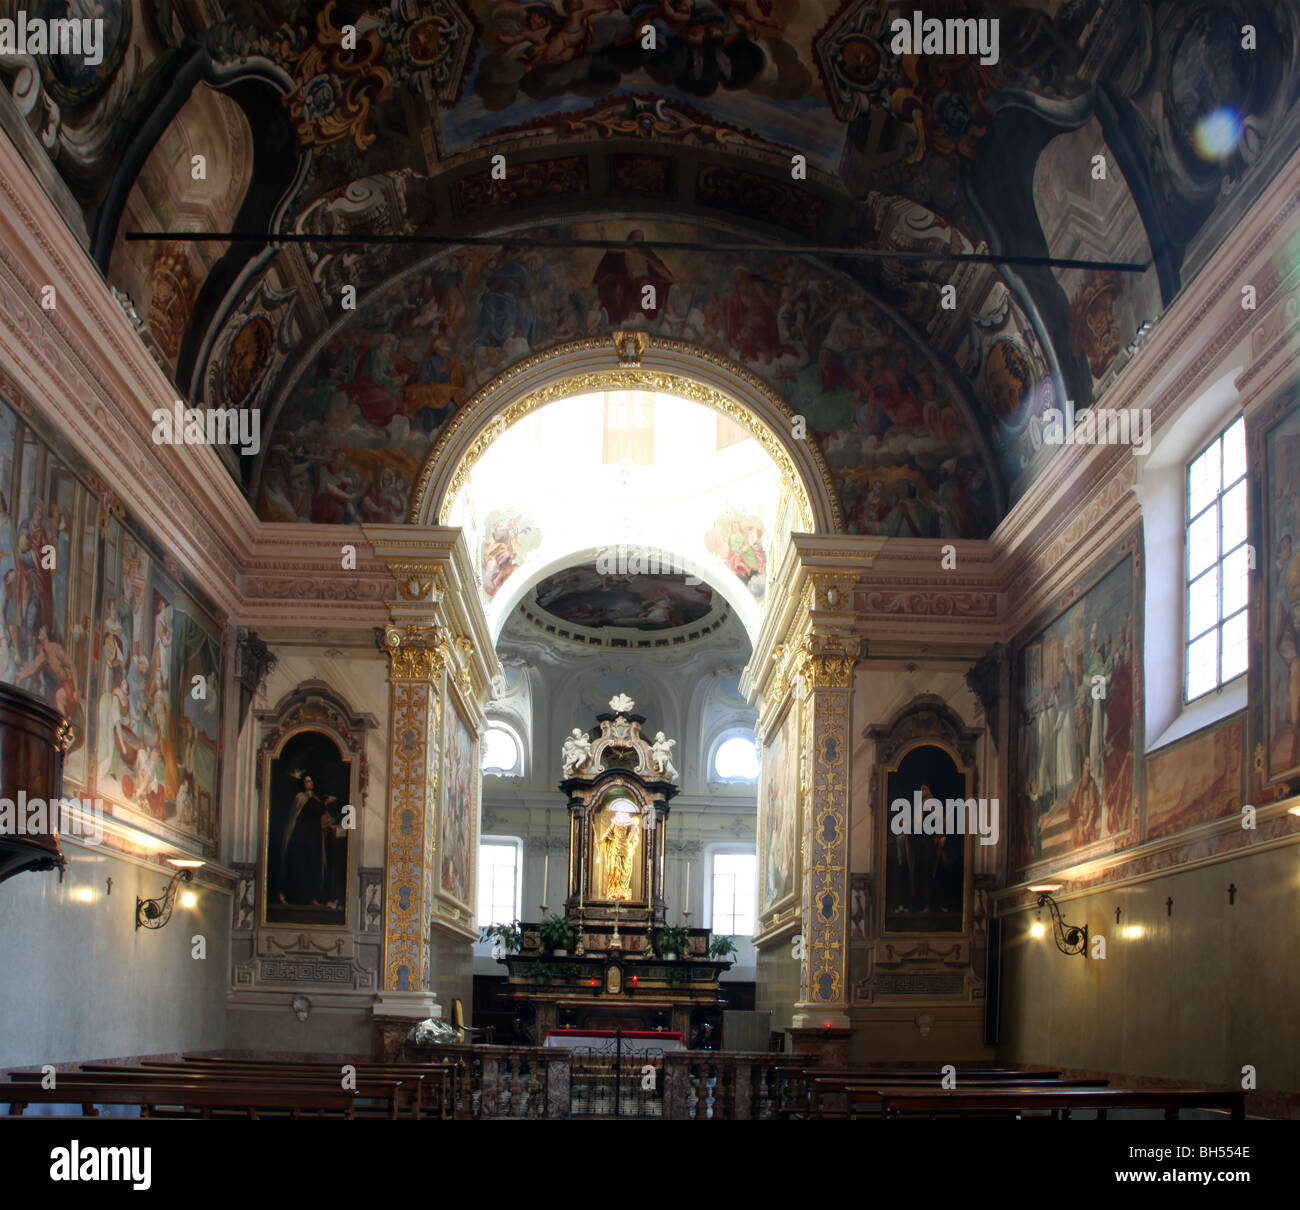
925	875
307	842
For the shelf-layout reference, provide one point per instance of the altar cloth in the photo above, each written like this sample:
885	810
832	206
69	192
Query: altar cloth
605	1041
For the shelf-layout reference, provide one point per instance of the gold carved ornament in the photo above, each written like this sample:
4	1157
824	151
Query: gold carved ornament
826	661
631	377
416	652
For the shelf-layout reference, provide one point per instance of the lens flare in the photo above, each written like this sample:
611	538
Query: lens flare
1218	133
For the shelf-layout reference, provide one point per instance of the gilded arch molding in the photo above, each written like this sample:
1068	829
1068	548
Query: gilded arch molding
627	361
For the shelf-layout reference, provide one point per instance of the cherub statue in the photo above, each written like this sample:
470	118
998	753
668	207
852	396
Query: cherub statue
661	756
576	752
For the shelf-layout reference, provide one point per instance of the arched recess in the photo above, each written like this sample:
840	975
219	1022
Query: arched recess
630	360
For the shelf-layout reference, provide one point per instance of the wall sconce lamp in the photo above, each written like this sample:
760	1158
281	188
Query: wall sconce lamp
1069	938
154	913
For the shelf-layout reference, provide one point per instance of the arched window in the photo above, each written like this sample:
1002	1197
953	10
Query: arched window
502	754
735	759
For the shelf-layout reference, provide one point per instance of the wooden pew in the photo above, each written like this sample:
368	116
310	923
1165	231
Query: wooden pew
438	1082
961	1102
841	1089
171	1100
390	1097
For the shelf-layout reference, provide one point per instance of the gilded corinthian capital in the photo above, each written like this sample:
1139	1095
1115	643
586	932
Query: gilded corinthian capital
826	660
416	652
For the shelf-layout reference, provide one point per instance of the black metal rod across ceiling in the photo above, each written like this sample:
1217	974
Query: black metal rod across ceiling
612	245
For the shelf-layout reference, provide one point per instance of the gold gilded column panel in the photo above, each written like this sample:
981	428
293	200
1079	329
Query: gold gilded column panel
417	659
826	670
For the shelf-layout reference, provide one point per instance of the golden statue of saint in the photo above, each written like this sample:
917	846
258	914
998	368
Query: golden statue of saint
619	844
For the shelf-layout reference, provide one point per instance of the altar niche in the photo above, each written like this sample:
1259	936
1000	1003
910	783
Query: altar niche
619	785
621	967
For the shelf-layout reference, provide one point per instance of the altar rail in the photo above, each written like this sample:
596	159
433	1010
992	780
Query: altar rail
734	1086
698	1085
506	1081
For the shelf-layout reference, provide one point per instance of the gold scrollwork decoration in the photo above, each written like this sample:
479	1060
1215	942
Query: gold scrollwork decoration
416	652
826	660
477	410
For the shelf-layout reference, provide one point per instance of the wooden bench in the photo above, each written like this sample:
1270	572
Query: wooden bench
172	1100
1060	1101
438	1083
373	1097
842	1089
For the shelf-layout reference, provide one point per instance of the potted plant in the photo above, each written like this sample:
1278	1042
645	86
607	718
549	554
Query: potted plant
722	947
538	972
676	977
571	972
669	942
506	938
558	934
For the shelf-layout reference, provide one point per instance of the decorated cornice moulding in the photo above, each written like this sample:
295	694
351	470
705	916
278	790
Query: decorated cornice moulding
91	375
1054	567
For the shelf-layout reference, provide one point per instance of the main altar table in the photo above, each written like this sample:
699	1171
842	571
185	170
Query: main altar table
606	1041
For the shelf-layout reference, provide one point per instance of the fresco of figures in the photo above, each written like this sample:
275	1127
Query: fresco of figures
98	628
737	539
509	537
46	582
1282	605
364	413
159	705
587	596
1077	702
456	825
779	807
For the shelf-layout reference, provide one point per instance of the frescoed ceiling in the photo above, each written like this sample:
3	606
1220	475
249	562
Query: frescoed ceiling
363	118
595	599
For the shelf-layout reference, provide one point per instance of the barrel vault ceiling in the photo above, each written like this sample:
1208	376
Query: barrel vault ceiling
366	119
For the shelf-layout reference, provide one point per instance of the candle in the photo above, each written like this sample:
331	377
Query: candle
686	890
546	876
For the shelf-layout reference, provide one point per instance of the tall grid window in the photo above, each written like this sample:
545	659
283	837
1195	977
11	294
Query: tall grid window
498	883
1217	563
734	894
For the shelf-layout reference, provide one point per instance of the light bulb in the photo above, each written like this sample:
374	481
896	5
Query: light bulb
1037	929
188	899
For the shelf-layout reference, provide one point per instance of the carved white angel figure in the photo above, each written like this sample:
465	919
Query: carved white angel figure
661	752
577	750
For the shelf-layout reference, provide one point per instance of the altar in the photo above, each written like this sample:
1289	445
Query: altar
613	961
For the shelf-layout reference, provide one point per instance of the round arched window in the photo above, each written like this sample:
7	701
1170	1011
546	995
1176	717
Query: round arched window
500	751
736	759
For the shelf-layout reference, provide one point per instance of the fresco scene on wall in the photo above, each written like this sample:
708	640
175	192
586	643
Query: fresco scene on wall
1077	701
47	580
456	823
95	625
779	807
374	399
1195	782
1282	638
